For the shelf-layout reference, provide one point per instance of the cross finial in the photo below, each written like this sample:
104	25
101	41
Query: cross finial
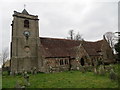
24	6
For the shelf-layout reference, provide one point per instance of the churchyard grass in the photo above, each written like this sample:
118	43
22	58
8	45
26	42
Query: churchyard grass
68	79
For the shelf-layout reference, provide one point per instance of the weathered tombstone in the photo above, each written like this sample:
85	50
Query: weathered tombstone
34	70
78	68
95	71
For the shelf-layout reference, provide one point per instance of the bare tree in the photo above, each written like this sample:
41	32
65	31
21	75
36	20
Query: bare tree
78	36
71	33
74	36
110	37
4	55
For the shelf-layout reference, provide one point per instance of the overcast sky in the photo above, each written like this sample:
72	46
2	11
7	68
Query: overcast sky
91	18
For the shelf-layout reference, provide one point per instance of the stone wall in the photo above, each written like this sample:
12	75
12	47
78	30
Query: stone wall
56	64
82	54
107	53
20	64
24	51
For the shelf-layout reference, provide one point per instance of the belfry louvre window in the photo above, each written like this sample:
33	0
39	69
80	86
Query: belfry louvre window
26	23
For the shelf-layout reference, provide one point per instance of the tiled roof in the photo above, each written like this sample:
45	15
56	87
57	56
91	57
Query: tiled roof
53	47
93	48
58	47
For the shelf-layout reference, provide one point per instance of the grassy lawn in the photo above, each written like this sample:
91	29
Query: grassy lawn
72	79
68	79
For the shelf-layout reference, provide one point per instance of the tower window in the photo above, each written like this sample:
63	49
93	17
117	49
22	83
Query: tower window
26	23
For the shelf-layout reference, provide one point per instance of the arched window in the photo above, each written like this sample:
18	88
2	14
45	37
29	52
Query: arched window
26	23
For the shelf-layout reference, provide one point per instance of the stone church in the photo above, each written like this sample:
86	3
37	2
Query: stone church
28	50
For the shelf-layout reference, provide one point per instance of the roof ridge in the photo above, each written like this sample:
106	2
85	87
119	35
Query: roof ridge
57	38
94	41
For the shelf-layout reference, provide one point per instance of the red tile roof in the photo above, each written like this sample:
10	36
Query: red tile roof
53	47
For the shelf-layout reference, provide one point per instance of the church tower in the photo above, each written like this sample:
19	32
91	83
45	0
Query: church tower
25	41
